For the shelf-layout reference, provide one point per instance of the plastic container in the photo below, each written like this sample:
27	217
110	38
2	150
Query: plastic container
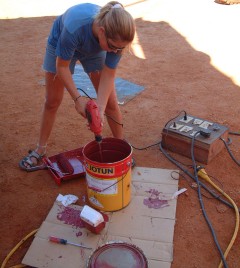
93	220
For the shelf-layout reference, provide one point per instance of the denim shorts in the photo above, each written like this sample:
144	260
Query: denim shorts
90	63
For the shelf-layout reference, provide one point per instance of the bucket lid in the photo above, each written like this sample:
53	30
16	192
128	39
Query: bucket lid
117	254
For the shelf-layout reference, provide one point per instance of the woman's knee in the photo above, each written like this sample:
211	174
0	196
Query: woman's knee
52	104
54	92
112	107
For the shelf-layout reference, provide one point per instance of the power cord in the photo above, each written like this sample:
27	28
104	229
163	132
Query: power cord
233	205
144	148
230	153
191	185
202	173
234	133
185	117
175	162
193	177
15	248
201	201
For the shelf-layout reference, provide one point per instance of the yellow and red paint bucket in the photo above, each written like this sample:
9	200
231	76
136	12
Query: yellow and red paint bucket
108	173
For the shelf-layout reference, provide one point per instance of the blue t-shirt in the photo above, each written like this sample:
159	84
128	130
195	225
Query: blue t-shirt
72	34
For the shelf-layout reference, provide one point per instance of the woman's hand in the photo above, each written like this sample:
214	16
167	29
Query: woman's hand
80	106
101	112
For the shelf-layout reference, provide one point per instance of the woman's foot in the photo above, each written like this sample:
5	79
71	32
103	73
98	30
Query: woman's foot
33	160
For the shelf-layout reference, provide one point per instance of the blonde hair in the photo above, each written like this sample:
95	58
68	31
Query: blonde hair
117	22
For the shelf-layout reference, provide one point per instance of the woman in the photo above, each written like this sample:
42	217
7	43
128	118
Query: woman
96	37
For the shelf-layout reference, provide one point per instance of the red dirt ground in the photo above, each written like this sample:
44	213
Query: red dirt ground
175	76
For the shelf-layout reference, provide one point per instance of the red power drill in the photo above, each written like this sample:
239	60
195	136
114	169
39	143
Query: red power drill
94	119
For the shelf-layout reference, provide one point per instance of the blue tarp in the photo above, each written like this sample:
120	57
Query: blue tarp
125	89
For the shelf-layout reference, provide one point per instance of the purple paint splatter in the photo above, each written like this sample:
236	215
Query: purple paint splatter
154	201
71	217
78	234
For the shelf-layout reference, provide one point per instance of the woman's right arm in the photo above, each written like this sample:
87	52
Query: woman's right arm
65	75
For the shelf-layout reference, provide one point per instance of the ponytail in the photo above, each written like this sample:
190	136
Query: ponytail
117	22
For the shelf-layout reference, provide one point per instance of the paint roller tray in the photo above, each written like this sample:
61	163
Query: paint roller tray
66	165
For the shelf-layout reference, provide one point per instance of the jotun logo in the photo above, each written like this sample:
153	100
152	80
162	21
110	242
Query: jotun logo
101	170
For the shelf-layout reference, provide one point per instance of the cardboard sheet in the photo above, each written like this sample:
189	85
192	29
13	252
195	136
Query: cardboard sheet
147	222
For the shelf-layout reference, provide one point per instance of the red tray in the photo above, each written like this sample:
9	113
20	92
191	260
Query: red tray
76	160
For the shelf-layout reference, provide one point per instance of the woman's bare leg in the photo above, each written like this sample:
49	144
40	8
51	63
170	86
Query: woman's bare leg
53	99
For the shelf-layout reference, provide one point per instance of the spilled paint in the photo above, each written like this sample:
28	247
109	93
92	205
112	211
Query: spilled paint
71	217
155	200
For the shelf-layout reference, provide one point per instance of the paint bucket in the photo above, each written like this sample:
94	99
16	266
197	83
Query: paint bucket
108	173
117	254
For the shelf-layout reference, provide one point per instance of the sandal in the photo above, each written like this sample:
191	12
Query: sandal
28	165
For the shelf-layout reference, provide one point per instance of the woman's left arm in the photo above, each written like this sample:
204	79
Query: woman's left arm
106	86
